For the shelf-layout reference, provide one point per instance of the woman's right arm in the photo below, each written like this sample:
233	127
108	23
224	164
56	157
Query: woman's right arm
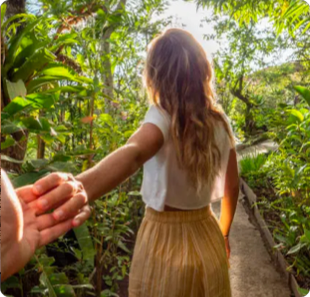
116	167
231	193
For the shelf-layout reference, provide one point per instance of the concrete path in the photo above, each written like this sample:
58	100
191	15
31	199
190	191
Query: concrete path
260	148
252	271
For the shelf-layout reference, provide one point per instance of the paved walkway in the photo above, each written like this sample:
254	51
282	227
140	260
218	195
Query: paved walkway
252	272
261	148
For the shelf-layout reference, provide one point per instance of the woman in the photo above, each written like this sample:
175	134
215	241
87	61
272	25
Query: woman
187	149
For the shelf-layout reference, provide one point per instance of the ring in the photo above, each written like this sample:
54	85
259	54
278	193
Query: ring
80	187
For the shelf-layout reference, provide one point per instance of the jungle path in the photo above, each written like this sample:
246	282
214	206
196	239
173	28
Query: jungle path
252	270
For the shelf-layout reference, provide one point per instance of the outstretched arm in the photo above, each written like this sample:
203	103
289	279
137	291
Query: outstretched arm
231	193
122	163
113	169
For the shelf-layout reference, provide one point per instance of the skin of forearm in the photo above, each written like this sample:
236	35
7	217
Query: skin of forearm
111	171
231	193
228	209
124	162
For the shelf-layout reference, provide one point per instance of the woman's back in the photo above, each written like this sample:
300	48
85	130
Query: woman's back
166	184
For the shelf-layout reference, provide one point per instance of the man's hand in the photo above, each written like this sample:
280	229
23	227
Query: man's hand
26	226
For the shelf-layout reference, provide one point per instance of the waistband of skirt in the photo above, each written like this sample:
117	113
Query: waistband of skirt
178	216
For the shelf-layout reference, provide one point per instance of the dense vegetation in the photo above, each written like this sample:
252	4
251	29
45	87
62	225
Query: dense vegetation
72	92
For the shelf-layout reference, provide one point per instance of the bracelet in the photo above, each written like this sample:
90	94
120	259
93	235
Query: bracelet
226	236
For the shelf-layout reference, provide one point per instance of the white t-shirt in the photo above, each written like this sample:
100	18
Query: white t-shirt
164	183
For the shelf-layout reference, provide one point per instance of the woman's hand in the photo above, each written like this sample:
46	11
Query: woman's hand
63	193
227	246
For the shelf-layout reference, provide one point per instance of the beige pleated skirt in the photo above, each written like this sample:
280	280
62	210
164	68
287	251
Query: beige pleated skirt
179	254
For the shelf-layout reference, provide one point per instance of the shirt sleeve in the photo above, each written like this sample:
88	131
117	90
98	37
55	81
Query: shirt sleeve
159	118
227	120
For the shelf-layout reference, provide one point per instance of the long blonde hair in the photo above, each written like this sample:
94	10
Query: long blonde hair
178	77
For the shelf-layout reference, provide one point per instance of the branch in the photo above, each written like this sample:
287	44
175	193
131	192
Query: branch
238	94
120	5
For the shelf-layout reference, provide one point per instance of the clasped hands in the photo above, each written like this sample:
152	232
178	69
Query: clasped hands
35	215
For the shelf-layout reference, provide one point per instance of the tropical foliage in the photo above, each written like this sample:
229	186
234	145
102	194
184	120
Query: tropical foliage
72	92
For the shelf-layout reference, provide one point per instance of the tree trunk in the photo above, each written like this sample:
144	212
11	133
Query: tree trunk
249	121
17	151
237	91
41	148
107	75
15	7
107	69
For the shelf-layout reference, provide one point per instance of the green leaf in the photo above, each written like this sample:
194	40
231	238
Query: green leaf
307	233
303	292
38	163
46	283
134	193
58	278
304	92
15	42
64	291
61	72
295	249
15	89
3	10
83	286
67	89
35	63
108	293
10	127
22	17
9	141
32	124
122	246
41	100
9	159
29	45
41	81
46	261
297	114
17	105
65	39
28	178
86	244
63	167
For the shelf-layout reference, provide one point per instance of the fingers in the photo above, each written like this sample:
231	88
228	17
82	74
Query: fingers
77	218
26	194
227	246
50	234
51	230
54	197
47	221
50	182
71	207
82	216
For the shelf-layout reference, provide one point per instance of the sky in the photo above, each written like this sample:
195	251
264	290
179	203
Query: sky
186	13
